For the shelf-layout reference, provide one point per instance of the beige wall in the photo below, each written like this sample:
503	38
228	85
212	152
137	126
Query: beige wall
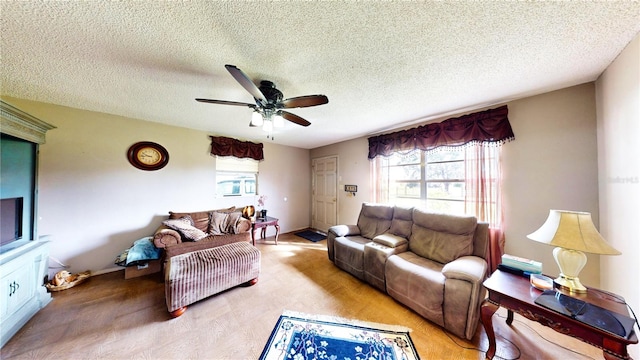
552	164
94	204
618	102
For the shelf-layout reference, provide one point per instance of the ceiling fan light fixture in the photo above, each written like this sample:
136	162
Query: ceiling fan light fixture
278	121
268	125
256	119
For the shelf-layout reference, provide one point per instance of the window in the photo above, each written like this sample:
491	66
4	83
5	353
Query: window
236	177
438	180
445	181
433	180
235	184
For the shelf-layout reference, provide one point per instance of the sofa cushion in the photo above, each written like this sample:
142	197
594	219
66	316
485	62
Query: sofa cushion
440	237
184	226
374	219
417	283
402	222
349	254
224	223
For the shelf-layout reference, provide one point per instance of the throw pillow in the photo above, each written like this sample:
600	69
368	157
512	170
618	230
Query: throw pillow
224	223
200	218
233	222
217	223
227	210
184	226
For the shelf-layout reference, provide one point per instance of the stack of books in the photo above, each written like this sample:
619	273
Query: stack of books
520	264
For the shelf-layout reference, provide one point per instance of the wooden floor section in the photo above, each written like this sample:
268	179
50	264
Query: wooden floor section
109	317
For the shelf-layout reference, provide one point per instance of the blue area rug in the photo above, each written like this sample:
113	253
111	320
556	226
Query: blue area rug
303	337
311	235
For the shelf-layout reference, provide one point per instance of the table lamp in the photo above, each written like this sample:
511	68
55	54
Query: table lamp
573	234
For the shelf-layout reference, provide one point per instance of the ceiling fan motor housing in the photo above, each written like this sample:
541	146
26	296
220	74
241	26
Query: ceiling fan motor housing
270	92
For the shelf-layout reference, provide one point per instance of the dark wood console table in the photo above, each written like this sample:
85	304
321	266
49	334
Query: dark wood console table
515	293
262	224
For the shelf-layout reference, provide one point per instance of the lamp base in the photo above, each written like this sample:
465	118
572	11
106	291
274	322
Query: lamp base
568	283
570	263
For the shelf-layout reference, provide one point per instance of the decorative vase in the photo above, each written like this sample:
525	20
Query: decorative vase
263	213
248	211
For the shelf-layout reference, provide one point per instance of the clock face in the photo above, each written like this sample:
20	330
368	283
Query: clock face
147	155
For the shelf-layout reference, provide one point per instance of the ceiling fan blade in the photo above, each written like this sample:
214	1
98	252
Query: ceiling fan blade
294	118
246	83
304	101
225	102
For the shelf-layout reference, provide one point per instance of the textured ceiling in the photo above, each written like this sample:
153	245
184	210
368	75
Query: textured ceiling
382	64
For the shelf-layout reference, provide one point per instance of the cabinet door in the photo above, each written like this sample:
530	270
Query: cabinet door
17	287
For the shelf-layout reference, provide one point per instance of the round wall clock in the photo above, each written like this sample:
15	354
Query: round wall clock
146	155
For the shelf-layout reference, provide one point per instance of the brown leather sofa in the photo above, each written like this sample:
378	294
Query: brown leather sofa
219	227
205	252
433	263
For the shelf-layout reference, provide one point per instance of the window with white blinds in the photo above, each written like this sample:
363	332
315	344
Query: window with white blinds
236	177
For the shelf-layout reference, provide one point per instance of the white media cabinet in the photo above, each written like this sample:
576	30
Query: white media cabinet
22	290
23	263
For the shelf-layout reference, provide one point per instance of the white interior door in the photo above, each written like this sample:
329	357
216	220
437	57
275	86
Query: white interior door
324	200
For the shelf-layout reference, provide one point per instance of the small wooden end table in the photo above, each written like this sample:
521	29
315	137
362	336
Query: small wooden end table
515	293
262	224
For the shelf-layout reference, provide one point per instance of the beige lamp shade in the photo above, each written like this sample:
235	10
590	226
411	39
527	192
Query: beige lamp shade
573	234
572	230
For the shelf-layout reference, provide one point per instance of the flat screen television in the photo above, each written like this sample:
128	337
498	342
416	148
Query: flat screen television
11	220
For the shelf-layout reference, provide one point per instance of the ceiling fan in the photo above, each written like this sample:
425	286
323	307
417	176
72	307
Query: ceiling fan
269	104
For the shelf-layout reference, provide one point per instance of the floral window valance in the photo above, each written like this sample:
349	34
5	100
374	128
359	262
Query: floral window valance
489	126
224	146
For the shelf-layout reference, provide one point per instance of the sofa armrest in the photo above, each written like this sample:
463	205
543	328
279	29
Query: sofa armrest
165	236
344	230
337	231
390	240
469	268
464	294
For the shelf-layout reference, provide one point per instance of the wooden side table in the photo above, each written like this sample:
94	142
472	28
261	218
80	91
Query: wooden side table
262	224
515	293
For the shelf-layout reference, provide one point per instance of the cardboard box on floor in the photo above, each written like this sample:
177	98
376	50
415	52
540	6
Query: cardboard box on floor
147	268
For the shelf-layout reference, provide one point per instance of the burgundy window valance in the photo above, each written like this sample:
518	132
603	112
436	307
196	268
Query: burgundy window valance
489	126
224	146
